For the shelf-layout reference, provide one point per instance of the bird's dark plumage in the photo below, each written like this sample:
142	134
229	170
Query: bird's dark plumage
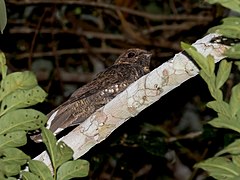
129	67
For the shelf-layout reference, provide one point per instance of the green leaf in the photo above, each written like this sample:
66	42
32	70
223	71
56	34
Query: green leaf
237	63
235	21
220	168
40	169
11	178
2	59
51	143
236	160
221	122
210	80
199	58
29	176
230	27
233	4
233	52
233	148
9	169
186	46
217	94
22	119
230	31
223	73
22	98
11	161
1	175
3	67
207	79
17	80
211	65
235	100
64	153
13	139
220	107
59	153
14	155
235	178
73	169
3	15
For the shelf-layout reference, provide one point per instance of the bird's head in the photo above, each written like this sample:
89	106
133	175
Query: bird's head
135	56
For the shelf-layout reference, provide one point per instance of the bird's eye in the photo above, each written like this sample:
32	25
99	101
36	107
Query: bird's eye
131	54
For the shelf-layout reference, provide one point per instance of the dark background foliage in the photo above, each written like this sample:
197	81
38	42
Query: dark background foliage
66	43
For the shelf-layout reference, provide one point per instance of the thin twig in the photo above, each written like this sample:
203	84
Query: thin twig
36	31
70	51
114	8
89	34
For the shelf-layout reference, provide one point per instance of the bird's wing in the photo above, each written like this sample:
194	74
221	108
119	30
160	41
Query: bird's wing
88	99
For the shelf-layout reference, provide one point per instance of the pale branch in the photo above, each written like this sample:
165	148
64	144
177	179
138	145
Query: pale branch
138	96
69	51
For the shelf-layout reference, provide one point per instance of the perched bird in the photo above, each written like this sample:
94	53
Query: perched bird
129	66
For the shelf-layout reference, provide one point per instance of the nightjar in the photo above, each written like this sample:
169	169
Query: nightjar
129	66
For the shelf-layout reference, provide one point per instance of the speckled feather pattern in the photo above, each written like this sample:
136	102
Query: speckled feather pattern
130	66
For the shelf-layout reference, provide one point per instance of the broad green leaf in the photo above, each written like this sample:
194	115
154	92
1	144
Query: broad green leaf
233	148
59	153
211	65
40	169
186	46
2	59
13	139
73	169
64	153
210	80
3	66
235	178
9	169
206	64
220	107
17	80
233	52
199	58
29	176
231	4
220	167
50	142
11	161
14	156
236	159
231	21
230	28
10	178
22	98
1	175
217	94
22	119
229	31
235	100
235	21
223	73
221	122
3	15
237	63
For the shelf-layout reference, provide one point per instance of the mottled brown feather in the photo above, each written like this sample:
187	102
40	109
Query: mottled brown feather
129	67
